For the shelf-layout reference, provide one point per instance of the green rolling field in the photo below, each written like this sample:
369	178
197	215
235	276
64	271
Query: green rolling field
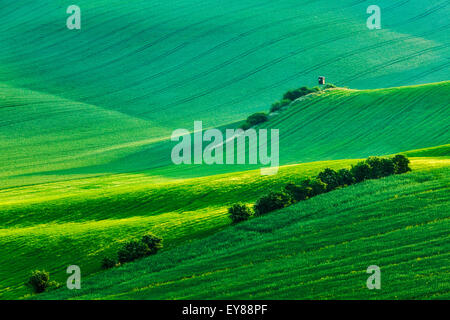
318	249
85	151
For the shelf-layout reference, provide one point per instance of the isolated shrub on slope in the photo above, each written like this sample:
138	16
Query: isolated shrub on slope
153	243
133	250
40	281
401	164
272	201
108	263
239	212
257	118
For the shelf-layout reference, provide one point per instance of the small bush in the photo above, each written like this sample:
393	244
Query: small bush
279	104
272	201
239	212
361	171
298	193
401	164
388	167
297	93
380	167
245	126
39	281
133	250
345	177
317	186
257	118
108	263
153	243
330	178
329	86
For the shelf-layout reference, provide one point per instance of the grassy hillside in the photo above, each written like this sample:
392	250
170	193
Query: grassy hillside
78	222
51	226
60	139
94	101
53	207
86	116
319	248
175	61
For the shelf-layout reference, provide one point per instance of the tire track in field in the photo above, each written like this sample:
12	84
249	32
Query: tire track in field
231	61
94	40
275	61
392	62
422	15
87	70
234	80
255	30
212	50
428	72
322	64
83	58
198	57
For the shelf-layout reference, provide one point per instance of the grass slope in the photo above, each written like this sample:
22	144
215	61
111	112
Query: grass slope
317	249
177	61
61	139
79	221
51	226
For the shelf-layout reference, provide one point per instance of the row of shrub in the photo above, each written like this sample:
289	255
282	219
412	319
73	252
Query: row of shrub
326	181
292	95
133	250
287	99
39	281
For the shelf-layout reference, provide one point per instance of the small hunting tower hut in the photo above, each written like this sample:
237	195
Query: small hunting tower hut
321	81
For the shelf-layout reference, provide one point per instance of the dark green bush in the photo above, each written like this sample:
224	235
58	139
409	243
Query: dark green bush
361	171
345	177
380	167
39	281
298	193
401	164
108	263
317	186
388	167
279	104
330	178
297	93
245	126
153	243
239	212
132	250
257	118
272	201
329	86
